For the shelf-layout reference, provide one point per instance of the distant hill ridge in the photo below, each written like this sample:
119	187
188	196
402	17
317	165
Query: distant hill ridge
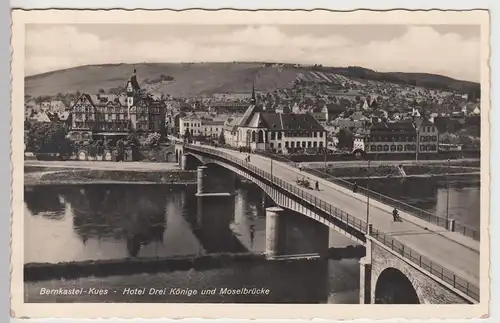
193	79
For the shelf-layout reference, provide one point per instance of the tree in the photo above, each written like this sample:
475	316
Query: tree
27	125
48	138
222	139
101	91
346	139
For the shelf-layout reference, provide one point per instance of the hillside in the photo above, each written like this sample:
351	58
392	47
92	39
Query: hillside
191	79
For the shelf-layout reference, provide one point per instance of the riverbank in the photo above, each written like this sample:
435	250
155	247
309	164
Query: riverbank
383	171
131	266
48	176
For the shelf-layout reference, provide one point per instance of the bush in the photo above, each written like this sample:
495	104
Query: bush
48	138
152	140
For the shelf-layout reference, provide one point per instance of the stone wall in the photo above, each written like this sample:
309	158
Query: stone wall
429	290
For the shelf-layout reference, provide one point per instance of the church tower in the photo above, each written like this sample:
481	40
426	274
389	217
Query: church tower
131	89
253	101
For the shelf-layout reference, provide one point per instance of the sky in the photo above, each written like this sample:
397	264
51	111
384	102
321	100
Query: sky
450	50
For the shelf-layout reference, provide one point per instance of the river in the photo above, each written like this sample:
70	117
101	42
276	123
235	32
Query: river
97	222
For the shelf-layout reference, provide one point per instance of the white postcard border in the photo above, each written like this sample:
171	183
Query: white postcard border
127	310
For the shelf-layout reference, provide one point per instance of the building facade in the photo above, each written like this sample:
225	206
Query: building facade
112	115
428	137
402	137
277	132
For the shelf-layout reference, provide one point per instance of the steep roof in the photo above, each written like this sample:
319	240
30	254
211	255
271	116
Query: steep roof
291	121
405	125
247	116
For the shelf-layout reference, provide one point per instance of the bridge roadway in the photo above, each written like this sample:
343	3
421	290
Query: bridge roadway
451	250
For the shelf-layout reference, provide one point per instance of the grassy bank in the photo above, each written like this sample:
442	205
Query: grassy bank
392	170
131	266
85	176
128	266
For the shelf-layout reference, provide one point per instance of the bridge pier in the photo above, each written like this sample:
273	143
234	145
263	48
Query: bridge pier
365	276
274	232
179	151
201	174
184	162
215	181
289	233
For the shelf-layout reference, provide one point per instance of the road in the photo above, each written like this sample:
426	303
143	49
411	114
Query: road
453	251
102	165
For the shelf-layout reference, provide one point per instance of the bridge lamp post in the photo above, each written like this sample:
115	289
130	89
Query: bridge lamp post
326	151
368	196
271	169
447	192
417	150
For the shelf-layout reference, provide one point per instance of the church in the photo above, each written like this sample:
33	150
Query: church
280	132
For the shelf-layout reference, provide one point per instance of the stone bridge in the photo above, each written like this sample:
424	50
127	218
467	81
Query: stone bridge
406	263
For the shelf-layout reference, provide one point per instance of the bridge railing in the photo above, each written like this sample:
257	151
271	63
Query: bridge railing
428	265
419	213
333	212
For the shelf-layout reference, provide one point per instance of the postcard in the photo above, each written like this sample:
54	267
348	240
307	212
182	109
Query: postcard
246	164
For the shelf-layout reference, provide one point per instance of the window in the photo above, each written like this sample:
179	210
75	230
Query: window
434	138
315	144
286	144
433	147
309	144
292	144
400	147
303	144
393	148
320	144
273	135
271	145
298	144
321	135
422	147
280	135
379	148
315	134
386	147
279	144
373	147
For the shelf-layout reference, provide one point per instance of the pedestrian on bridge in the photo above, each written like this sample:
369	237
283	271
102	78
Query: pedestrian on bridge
395	215
317	185
355	187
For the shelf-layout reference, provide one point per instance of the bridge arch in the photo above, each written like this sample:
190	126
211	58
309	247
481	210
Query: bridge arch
394	287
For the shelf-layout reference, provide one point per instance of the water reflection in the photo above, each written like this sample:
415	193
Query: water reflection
115	221
44	201
135	214
106	221
461	201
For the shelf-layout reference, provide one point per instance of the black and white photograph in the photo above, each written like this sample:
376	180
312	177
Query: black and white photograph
251	163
